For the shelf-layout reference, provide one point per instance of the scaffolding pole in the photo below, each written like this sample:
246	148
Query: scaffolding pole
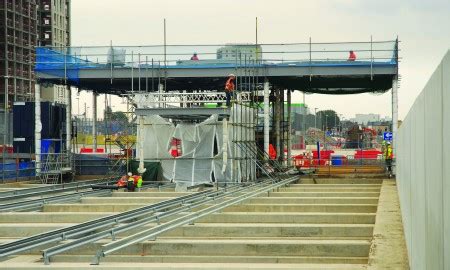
94	121
289	140
37	128
266	116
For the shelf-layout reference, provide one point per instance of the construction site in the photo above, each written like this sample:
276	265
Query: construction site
206	169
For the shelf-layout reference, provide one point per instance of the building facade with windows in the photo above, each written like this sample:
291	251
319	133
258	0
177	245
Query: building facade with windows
25	24
54	31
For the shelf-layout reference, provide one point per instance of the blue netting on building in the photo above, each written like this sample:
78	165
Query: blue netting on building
61	65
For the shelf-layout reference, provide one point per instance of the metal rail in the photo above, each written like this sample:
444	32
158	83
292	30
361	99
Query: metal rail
152	217
33	204
38	203
152	233
37	191
71	232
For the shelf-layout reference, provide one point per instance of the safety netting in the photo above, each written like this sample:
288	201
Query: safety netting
61	64
208	150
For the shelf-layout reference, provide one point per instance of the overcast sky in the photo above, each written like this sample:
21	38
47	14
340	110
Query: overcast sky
423	27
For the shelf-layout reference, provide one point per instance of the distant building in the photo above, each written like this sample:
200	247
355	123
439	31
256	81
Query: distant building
240	52
363	119
54	31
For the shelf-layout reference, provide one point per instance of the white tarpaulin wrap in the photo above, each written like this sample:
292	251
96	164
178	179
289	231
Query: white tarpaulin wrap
202	146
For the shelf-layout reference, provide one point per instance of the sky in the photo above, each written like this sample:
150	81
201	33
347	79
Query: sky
422	26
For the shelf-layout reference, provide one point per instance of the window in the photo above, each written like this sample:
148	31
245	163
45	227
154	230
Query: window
46	21
46	7
47	36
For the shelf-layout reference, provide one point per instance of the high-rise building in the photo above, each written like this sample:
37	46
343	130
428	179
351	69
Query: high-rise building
25	24
17	40
18	36
54	23
54	31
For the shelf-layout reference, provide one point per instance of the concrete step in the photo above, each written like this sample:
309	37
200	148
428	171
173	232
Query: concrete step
259	200
220	230
319	188
347	208
150	194
236	247
230	217
323	194
119	200
216	259
185	266
336	185
329	208
347	180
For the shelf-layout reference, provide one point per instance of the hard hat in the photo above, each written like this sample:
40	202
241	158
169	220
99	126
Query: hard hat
388	142
231	75
195	53
130	174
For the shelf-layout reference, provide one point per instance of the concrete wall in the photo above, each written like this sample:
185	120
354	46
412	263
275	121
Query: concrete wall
423	173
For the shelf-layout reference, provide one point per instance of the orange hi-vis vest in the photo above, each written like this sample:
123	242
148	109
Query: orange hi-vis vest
229	86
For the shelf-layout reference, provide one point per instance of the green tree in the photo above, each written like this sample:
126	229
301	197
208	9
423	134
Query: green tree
115	116
328	119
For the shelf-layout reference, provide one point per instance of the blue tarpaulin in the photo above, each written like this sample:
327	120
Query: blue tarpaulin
60	64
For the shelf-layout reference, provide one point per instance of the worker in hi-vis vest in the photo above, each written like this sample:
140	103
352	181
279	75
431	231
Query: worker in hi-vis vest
139	182
130	183
229	88
388	155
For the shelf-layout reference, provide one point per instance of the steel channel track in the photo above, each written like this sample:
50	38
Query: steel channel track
38	191
33	204
152	233
112	232
28	205
81	229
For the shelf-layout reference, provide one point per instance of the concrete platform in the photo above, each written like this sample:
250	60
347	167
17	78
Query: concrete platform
303	226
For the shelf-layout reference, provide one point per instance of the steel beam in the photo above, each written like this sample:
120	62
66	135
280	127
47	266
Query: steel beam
178	111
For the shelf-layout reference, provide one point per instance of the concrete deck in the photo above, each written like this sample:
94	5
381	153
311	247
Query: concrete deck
304	226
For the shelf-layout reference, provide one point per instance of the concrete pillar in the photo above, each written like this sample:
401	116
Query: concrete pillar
141	168
94	121
394	118
289	132
160	91
266	116
37	128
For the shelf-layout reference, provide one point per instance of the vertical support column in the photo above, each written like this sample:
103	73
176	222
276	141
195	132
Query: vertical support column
394	119
68	119
160	91
94	121
277	119
289	132
37	128
141	168
266	116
